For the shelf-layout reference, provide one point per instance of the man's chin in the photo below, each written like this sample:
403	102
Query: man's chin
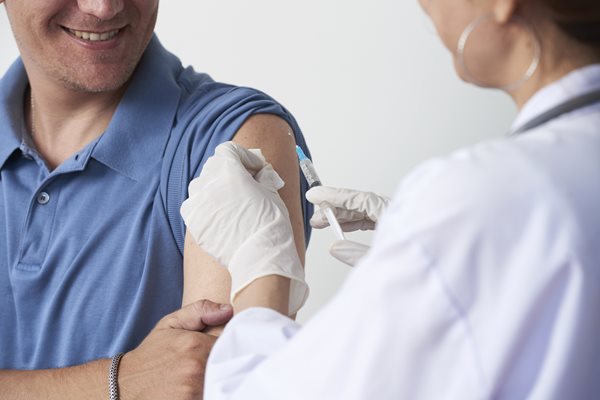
100	81
93	86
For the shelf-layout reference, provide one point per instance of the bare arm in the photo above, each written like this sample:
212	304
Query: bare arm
204	278
169	363
87	381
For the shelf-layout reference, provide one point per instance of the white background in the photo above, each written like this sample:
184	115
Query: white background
372	87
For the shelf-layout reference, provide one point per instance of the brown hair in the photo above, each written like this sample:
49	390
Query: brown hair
579	19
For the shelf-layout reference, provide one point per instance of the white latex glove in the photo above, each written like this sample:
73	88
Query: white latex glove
236	215
354	210
348	252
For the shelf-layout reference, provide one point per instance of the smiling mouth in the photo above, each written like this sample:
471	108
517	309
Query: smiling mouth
93	36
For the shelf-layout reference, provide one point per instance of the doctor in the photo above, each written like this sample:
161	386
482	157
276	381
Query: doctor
483	281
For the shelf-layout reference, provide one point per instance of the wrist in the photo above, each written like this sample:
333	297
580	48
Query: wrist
113	377
129	388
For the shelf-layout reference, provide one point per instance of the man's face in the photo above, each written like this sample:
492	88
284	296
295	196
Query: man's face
84	45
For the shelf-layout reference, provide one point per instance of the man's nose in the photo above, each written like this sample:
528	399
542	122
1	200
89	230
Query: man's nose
102	9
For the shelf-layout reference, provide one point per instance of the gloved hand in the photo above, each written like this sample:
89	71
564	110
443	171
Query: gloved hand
348	252
354	210
236	215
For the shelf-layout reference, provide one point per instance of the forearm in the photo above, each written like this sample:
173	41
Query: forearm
87	381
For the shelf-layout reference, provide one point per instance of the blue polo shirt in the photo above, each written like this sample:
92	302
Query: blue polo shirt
91	253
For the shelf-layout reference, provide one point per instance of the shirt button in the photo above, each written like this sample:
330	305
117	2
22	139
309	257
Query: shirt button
43	198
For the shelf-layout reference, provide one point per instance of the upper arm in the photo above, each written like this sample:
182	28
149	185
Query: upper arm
204	278
275	138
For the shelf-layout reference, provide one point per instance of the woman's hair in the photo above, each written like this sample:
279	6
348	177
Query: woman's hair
580	19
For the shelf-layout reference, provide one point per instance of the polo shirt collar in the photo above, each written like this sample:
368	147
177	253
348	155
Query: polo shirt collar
144	118
12	89
139	128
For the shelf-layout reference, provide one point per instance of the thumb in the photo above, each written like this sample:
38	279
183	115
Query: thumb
348	252
197	316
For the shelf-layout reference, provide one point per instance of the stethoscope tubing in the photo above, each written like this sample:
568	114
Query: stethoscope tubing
573	104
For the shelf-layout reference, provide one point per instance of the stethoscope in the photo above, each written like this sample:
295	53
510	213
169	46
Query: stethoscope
571	105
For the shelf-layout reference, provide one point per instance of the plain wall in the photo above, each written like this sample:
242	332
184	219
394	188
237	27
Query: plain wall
372	87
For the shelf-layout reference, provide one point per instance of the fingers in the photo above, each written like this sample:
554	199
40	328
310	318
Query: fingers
231	159
252	160
349	220
348	252
214	314
197	316
360	225
371	205
338	198
268	177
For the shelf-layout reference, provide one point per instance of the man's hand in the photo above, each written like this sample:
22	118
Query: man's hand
170	362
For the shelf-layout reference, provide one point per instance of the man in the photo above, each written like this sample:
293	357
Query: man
101	130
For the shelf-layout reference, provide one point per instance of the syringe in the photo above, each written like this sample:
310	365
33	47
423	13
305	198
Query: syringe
313	180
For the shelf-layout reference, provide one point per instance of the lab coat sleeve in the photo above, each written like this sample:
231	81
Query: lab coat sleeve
391	332
394	330
250	339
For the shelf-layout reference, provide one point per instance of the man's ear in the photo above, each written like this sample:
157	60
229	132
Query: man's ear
504	10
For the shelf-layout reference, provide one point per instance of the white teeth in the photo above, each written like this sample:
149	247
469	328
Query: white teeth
93	36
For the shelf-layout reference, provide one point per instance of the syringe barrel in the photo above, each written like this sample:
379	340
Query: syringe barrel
309	173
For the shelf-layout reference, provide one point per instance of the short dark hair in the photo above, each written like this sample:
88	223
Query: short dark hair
580	19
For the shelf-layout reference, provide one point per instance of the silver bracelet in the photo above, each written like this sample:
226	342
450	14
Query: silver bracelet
113	372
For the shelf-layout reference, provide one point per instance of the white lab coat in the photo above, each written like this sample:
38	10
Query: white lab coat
483	282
